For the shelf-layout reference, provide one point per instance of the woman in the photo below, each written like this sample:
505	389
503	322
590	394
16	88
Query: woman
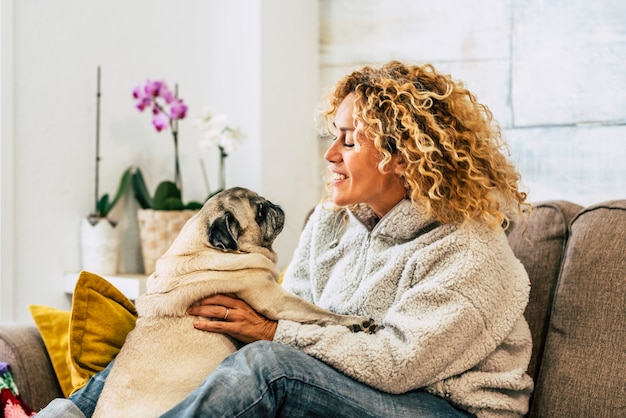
412	237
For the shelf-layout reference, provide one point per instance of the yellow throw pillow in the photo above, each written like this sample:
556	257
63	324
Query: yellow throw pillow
53	326
101	318
82	342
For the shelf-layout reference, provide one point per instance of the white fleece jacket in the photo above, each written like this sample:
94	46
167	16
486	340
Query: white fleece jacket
451	300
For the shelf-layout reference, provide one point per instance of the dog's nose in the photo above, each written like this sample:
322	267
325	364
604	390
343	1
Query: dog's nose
278	218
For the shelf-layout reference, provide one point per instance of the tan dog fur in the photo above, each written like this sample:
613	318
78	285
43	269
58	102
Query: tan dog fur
165	358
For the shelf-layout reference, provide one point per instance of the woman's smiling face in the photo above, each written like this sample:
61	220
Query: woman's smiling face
354	164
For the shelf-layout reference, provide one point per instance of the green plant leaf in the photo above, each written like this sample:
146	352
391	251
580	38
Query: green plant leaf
142	196
166	197
193	205
170	203
105	206
166	190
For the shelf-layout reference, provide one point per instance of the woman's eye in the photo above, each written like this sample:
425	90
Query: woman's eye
345	140
345	143
345	137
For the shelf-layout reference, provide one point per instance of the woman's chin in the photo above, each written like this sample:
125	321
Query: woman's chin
339	200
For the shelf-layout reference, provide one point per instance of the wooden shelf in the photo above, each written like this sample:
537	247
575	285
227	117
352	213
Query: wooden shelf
131	285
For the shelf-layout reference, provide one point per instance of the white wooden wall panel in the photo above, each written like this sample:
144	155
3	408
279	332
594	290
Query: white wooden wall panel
569	62
354	31
581	164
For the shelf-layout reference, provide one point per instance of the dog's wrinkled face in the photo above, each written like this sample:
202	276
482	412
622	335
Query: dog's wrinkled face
238	219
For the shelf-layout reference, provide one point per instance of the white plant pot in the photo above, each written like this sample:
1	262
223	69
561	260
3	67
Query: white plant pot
100	244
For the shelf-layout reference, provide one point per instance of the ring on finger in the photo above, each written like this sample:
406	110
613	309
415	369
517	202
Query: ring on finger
226	314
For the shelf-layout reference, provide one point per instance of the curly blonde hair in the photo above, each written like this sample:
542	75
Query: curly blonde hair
456	168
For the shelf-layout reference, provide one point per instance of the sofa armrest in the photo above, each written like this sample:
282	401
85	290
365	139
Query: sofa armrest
23	349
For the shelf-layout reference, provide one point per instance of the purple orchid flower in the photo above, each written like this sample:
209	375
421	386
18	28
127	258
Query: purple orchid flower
143	103
153	88
166	108
178	110
137	92
158	96
160	122
166	94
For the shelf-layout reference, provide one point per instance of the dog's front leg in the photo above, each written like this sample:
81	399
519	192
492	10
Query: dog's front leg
274	302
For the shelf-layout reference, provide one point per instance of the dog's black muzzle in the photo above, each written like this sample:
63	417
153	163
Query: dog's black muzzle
271	219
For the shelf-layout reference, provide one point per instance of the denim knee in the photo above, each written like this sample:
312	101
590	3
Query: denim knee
263	346
267	355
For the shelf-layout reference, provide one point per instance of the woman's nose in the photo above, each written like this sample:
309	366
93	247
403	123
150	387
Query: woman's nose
332	155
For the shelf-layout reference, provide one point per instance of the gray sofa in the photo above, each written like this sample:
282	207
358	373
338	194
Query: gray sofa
577	314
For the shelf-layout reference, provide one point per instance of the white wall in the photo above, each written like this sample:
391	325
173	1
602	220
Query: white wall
6	160
224	54
272	77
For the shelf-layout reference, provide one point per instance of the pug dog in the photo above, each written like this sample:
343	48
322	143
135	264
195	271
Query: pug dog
225	248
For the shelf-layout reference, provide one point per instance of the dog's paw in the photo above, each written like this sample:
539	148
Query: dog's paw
368	326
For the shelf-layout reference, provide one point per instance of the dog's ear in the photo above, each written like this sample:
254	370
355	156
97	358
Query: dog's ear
222	232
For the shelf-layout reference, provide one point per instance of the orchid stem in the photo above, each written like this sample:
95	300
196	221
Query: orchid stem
223	156
174	126
96	212
205	177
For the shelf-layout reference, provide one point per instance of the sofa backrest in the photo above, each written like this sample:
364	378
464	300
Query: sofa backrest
22	347
540	245
583	372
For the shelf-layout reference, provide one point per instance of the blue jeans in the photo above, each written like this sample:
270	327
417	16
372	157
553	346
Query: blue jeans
266	379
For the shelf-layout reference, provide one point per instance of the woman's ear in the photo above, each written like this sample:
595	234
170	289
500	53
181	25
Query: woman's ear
399	165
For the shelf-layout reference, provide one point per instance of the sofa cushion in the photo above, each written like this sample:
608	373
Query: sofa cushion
54	325
83	342
539	245
101	318
584	366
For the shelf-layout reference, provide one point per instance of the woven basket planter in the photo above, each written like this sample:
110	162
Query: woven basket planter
157	231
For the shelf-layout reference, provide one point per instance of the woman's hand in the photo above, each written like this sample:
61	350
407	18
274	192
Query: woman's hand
232	316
